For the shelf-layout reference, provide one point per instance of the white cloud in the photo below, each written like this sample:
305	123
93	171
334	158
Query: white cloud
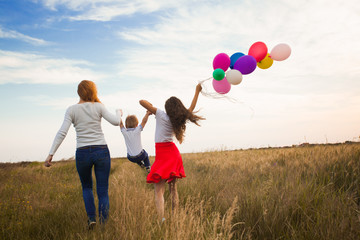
106	10
54	103
109	11
11	34
16	67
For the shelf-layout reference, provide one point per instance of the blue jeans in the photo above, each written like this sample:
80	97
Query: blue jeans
99	157
141	157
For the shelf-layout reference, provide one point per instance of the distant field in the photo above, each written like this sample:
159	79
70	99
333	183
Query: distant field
309	192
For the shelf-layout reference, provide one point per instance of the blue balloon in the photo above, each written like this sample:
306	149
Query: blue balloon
234	58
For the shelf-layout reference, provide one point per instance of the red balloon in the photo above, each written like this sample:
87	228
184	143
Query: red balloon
258	50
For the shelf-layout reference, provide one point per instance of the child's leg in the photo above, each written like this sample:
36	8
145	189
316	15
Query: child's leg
174	195
159	197
146	159
135	159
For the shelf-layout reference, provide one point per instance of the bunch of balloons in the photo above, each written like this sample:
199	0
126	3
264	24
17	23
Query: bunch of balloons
241	64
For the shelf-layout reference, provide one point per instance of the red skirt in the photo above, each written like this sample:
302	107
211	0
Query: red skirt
168	163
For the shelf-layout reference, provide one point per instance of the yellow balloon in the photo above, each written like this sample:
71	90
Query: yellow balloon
266	62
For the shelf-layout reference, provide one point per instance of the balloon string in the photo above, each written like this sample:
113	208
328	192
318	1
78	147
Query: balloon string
216	95
213	95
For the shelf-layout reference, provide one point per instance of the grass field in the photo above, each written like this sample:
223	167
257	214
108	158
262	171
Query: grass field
274	193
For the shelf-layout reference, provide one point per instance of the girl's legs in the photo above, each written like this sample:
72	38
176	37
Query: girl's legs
159	197
174	195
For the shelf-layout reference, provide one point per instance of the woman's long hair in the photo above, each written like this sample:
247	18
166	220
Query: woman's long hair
179	116
87	91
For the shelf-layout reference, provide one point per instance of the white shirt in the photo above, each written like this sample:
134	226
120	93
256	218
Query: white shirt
86	118
164	130
132	138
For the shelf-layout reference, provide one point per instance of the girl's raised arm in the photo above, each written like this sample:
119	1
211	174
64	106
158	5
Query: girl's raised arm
196	96
148	106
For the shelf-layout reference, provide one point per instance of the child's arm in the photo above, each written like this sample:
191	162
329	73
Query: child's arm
144	121
121	124
119	113
148	106
196	96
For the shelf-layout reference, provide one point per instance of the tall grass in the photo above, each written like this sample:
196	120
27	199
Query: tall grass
285	193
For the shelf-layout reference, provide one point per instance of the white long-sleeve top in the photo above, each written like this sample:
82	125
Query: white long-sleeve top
86	118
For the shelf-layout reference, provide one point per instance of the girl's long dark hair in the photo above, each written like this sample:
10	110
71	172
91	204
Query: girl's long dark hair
179	115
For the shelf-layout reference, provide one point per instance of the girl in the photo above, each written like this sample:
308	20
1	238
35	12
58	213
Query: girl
168	165
91	147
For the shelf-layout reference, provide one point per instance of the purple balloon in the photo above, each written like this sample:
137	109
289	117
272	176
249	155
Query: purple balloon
245	64
222	60
222	86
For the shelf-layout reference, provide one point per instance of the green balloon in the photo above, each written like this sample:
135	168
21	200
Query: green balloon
218	74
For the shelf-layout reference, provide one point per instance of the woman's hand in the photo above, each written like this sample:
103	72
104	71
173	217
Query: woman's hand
48	161
119	112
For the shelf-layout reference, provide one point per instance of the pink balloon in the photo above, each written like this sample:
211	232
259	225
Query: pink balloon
258	50
280	52
222	86
222	60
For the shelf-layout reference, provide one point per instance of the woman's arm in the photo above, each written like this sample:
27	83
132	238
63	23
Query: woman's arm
59	138
148	106
196	96
110	117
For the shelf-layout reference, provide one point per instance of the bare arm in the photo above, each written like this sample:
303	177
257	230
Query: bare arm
148	106
119	114
196	96
121	124
144	121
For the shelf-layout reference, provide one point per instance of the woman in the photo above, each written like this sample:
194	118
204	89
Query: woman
91	147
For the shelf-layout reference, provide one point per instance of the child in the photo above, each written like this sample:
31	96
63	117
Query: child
168	165
132	136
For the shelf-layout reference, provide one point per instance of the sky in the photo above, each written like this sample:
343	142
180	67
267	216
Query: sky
147	49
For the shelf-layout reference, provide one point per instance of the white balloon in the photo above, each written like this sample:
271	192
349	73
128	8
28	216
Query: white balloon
234	76
280	52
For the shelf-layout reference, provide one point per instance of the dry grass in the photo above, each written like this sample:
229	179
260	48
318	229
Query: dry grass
287	193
